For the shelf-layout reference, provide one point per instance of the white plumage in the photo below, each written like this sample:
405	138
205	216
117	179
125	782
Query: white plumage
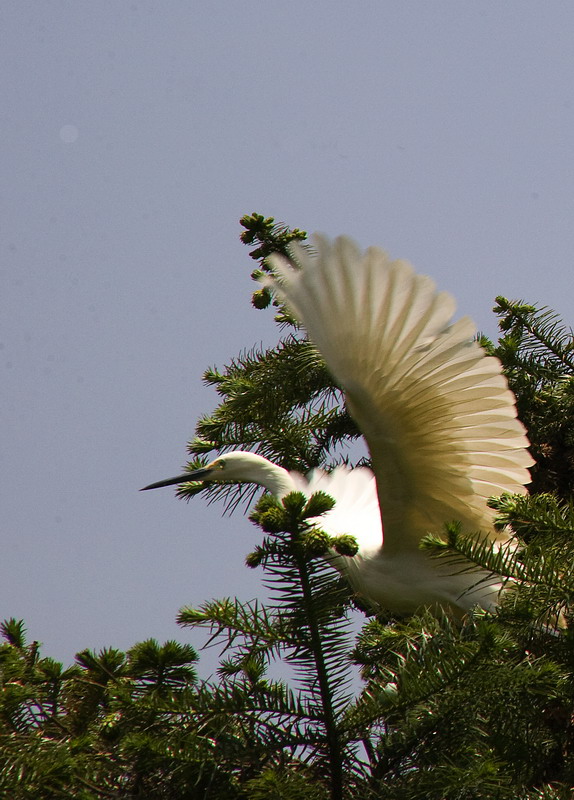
436	413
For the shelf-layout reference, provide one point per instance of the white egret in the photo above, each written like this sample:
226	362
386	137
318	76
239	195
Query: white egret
436	413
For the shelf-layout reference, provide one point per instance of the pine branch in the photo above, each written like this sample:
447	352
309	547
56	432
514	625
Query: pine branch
270	238
539	332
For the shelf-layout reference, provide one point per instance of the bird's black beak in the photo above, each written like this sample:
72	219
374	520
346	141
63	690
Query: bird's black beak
194	475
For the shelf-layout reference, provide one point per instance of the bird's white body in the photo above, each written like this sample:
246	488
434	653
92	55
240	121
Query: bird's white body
405	582
401	580
436	413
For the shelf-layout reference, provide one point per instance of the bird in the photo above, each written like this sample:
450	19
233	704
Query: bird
436	412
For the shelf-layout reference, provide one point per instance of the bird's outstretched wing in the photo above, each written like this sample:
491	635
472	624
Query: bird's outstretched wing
436	412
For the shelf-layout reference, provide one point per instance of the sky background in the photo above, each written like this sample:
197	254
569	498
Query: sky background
134	136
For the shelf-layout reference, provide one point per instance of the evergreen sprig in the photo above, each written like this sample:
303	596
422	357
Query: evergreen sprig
270	237
305	625
537	353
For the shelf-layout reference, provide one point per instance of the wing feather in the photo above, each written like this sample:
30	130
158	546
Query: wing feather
435	410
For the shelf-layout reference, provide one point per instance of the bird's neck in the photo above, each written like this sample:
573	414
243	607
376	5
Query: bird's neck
273	478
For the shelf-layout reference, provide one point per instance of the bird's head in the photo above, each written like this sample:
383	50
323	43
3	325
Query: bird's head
236	467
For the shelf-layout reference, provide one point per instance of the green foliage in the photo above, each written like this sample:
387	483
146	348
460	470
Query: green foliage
270	238
474	709
467	703
78	732
537	353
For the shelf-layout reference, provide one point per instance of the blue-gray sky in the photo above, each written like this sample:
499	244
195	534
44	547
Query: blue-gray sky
134	135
